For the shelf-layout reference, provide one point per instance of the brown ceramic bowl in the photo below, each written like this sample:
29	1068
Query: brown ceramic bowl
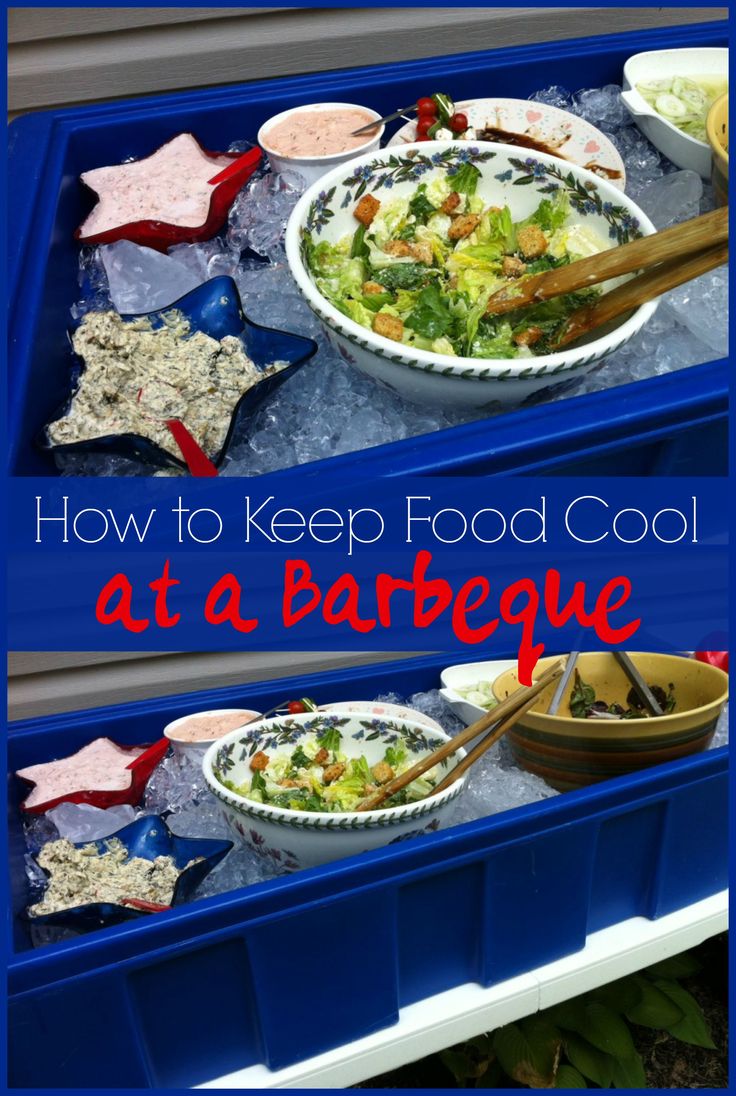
716	127
571	753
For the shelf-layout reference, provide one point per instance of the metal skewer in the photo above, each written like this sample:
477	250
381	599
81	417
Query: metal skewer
638	682
563	683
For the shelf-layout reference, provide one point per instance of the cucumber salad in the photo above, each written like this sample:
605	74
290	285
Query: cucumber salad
683	102
420	269
318	776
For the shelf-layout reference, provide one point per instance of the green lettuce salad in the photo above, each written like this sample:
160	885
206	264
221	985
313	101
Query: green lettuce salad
318	776
421	269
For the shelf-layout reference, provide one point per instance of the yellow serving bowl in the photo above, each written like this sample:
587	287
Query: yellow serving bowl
572	753
716	127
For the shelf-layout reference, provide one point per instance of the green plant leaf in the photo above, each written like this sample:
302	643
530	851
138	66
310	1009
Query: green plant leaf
620	996
628	1072
494	1077
459	1064
693	1027
529	1051
677	966
655	1009
569	1015
592	1062
606	1030
568	1077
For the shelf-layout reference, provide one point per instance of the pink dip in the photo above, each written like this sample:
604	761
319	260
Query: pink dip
319	132
171	185
100	766
206	728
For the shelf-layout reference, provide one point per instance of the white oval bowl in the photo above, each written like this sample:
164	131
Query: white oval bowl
683	150
421	375
576	140
467	674
313	168
291	839
197	750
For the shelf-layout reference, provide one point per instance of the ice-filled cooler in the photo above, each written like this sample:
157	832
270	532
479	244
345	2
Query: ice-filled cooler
198	992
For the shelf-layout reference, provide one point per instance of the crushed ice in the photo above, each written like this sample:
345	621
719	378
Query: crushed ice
329	408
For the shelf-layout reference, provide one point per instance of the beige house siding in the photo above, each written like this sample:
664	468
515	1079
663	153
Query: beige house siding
61	56
41	683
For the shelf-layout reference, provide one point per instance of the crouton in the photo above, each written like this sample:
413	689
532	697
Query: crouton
333	772
422	252
370	288
400	248
383	772
391	327
451	202
532	241
529	336
259	761
321	756
366	209
288	783
463	225
512	267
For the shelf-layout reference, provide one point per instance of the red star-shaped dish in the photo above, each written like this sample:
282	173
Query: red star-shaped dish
179	194
101	773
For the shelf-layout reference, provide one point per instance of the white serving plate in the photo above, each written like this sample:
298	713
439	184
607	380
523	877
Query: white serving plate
371	710
563	134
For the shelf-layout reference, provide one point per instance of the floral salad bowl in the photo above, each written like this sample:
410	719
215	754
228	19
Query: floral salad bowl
508	177
291	839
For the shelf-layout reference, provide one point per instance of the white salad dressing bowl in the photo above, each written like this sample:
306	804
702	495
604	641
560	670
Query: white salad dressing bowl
325	212
457	679
290	839
195	751
312	168
683	150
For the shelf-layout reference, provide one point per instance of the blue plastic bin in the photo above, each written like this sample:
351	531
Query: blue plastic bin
670	425
124	1007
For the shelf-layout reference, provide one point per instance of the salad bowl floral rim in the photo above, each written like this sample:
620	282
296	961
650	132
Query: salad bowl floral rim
380	172
280	734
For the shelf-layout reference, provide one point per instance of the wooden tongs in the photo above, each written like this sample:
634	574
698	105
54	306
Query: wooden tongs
500	718
668	259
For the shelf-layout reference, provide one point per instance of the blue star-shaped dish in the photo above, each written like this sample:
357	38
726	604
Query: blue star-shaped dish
148	838
214	308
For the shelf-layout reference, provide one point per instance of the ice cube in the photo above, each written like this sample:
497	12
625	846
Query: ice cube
672	198
702	307
144	280
554	96
601	106
83	822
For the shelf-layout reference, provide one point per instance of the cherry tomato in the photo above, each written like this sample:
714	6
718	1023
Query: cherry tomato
296	707
714	658
424	124
427	107
459	122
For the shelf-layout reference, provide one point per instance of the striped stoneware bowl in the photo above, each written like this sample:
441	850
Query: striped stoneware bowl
571	753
